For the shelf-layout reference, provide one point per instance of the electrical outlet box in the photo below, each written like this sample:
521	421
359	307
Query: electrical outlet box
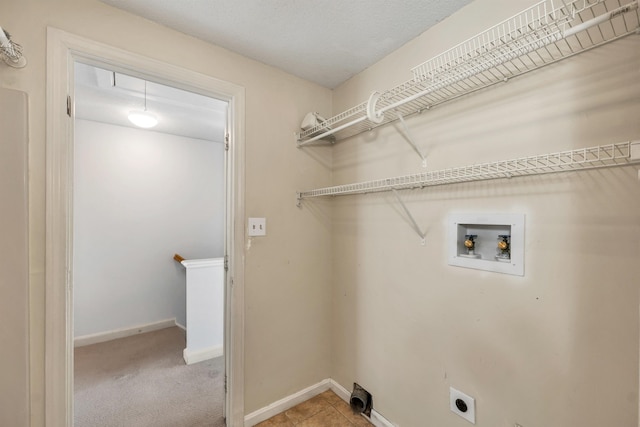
475	241
462	404
257	227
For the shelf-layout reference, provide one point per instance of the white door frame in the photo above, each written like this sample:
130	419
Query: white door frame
63	49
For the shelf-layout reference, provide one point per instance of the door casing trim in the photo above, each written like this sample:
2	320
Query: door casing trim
63	49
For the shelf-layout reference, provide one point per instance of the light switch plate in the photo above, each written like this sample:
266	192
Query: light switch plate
257	227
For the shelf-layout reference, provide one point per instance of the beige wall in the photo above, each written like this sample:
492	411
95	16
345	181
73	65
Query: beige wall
14	324
555	348
287	272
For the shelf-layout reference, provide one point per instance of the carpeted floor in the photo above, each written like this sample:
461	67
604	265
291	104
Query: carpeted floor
142	381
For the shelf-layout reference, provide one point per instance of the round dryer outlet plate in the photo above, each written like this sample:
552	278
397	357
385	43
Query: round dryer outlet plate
462	404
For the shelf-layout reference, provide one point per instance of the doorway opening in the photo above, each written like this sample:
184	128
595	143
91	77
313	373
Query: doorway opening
142	193
64	51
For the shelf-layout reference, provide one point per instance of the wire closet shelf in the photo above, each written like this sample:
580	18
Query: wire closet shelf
545	33
619	154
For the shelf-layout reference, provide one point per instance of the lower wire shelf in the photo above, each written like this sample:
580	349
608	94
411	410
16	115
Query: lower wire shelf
603	156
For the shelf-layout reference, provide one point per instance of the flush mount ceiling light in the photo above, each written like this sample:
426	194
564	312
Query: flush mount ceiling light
144	118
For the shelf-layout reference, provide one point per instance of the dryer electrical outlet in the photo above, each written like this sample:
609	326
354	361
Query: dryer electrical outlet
462	404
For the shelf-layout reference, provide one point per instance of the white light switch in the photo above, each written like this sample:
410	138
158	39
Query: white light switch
257	226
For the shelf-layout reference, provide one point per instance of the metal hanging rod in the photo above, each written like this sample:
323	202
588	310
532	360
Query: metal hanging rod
620	154
543	34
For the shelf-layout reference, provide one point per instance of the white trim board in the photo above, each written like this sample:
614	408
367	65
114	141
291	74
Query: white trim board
203	263
285	403
63	49
83	340
289	402
194	356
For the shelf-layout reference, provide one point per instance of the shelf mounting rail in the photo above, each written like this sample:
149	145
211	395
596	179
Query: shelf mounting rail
547	32
603	156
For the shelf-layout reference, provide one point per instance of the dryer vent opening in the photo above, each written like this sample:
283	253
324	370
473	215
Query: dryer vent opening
361	401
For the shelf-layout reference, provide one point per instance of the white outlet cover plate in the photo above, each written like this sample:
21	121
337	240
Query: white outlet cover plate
470	414
257	227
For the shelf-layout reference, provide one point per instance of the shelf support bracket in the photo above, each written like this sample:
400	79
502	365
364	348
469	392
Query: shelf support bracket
410	139
414	225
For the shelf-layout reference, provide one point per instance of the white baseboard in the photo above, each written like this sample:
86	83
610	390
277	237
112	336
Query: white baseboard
378	420
289	402
181	326
195	356
286	403
122	333
342	392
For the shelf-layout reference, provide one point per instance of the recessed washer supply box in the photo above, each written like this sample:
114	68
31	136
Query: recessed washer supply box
488	230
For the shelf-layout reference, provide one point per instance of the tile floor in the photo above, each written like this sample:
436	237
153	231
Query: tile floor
324	410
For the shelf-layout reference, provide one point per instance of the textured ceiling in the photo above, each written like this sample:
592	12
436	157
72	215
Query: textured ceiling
323	41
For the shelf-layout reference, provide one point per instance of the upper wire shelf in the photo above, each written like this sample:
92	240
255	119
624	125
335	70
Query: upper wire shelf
545	33
619	154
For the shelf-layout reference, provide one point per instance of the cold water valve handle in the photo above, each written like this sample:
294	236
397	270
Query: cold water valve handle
504	247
